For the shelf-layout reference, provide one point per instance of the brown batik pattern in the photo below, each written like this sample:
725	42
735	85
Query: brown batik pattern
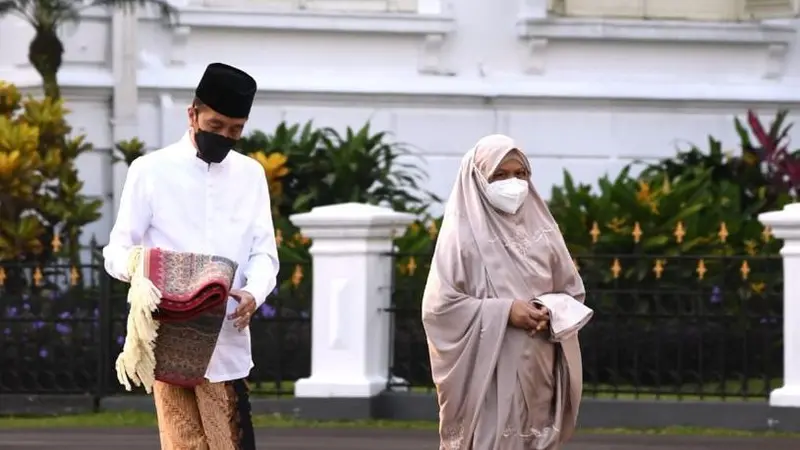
194	293
211	416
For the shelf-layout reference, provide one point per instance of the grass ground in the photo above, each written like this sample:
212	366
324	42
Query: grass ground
140	419
754	389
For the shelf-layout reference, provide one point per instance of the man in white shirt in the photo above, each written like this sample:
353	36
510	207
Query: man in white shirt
198	196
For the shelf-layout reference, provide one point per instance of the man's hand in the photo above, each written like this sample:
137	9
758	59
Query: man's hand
245	310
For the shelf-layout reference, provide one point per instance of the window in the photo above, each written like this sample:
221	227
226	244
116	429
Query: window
700	10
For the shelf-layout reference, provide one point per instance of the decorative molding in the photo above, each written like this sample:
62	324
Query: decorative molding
325	21
775	63
536	62
180	45
654	31
85	84
317	5
301	19
775	38
490	89
97	83
433	28
432	55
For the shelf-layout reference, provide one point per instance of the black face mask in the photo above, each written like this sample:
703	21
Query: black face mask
212	147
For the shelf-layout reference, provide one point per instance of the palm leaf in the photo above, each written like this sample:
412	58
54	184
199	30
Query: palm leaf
19	7
166	11
7	6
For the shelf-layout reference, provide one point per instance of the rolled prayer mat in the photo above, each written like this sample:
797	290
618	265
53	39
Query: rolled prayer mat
177	305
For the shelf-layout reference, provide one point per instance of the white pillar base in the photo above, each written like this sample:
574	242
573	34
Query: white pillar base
319	387
350	328
785	397
786	225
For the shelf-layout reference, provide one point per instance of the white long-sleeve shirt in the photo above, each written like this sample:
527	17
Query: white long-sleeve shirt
175	201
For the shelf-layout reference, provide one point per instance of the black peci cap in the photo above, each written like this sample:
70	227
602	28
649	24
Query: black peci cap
227	90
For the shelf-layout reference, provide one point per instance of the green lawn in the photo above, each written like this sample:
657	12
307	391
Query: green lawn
733	390
139	419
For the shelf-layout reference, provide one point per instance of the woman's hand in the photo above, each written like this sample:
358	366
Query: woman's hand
527	316
544	320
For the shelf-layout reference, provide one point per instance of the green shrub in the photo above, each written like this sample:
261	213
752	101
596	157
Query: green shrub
325	167
43	209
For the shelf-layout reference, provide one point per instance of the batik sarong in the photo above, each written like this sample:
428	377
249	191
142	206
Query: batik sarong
177	305
213	416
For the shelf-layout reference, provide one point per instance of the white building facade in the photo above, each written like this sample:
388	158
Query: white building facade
583	85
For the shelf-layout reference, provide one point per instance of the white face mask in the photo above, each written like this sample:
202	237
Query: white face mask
507	195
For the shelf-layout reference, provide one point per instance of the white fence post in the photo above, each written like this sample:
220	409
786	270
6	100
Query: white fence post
351	287
785	225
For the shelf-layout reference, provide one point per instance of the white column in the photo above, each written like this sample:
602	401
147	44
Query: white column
352	285
785	225
125	99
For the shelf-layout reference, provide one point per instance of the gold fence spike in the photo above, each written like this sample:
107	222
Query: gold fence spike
701	269
297	275
744	270
577	266
679	233
616	268
595	232
637	232
55	244
766	234
411	266
278	238
723	232
750	246
658	269
37	277
74	276
758	287
666	188
2	276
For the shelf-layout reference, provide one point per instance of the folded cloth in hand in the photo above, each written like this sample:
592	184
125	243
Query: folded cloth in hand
567	315
177	305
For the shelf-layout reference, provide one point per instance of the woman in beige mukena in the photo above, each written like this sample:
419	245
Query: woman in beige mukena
503	381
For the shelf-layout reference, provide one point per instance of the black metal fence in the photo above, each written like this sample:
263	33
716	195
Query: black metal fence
664	326
62	327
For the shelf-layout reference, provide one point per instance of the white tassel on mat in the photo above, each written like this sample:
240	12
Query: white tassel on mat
137	362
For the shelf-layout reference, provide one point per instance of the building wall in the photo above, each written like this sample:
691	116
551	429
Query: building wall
584	88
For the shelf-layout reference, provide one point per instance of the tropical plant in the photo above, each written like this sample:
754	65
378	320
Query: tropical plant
324	167
46	51
766	172
672	257
607	220
771	155
127	151
310	167
412	261
42	209
275	170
